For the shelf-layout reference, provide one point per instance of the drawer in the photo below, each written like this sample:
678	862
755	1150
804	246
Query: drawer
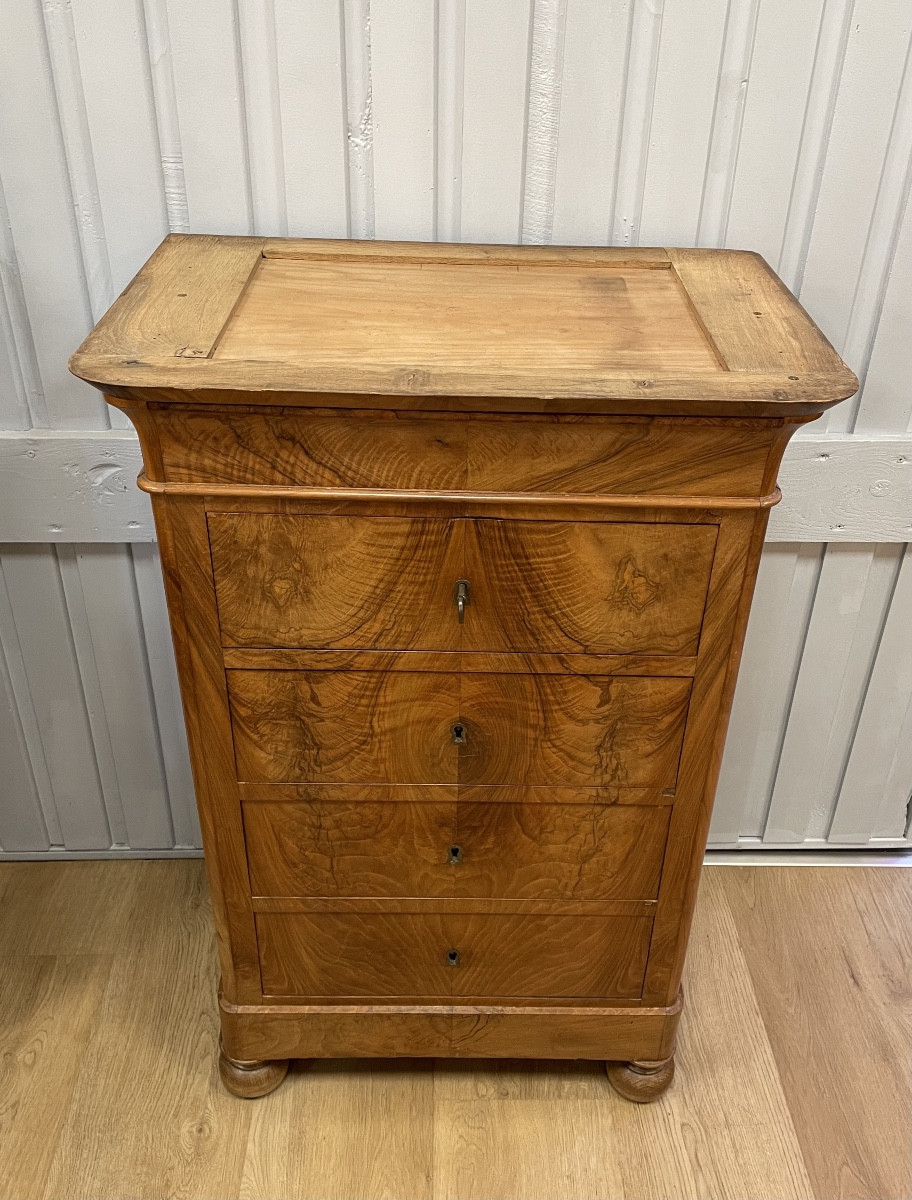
389	583
350	849
647	456
588	587
519	851
432	727
559	851
386	955
336	582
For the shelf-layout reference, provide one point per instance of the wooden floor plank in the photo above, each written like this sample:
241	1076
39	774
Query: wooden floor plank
339	1130
48	1012
508	1147
723	1129
149	1117
794	1049
829	950
67	907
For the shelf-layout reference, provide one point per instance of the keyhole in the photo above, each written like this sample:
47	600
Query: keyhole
453	958
459	735
455	855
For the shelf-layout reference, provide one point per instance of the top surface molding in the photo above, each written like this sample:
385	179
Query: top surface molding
657	330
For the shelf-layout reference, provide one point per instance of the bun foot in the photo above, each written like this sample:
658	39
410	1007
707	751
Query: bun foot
641	1081
251	1079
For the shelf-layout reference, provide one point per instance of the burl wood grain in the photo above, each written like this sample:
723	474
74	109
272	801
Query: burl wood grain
361	955
343	582
344	727
582	455
350	849
399	727
388	583
548	851
586	587
532	851
571	729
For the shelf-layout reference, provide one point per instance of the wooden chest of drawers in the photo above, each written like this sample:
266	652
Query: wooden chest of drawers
459	545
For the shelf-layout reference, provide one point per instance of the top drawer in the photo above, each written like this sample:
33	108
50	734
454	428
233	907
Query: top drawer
390	583
643	456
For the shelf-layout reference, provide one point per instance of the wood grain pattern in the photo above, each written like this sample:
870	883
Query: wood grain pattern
837	1008
728	605
587	588
534	851
586	730
496	663
641	1081
179	303
88	1115
593	852
250	1080
186	566
484	906
558	1030
350	849
311	793
346	582
373	955
372	727
747	313
382	583
340	250
347	727
650	456
456	315
444	358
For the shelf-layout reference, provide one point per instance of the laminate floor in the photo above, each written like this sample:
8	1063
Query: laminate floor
794	1062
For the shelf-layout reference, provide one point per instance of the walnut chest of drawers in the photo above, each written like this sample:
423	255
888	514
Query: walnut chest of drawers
459	544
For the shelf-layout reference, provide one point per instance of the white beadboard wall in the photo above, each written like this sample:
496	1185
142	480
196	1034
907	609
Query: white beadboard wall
762	124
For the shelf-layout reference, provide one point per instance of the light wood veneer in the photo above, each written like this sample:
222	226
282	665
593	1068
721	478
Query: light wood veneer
429	835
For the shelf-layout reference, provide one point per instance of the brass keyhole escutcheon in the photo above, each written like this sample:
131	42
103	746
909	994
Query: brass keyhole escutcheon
452	958
459	735
455	856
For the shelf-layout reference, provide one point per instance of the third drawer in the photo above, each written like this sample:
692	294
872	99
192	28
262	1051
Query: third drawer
456	848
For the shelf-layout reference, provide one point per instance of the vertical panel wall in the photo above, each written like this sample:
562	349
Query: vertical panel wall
759	124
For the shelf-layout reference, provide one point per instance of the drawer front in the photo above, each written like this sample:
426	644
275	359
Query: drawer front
599	587
374	955
584	730
336	582
350	849
584	455
344	726
511	851
559	851
389	583
428	727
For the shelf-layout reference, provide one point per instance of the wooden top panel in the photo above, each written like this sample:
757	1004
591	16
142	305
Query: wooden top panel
465	316
242	319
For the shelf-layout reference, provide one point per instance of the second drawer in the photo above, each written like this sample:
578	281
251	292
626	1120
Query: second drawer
460	849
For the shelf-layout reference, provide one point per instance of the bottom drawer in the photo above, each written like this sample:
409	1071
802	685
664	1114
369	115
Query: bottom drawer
444	955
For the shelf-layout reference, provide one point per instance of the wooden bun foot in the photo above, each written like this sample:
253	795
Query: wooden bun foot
641	1081
251	1079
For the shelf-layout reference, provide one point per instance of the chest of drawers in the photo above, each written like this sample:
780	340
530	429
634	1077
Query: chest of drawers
459	545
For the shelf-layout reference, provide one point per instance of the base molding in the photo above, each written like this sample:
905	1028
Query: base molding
268	1032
